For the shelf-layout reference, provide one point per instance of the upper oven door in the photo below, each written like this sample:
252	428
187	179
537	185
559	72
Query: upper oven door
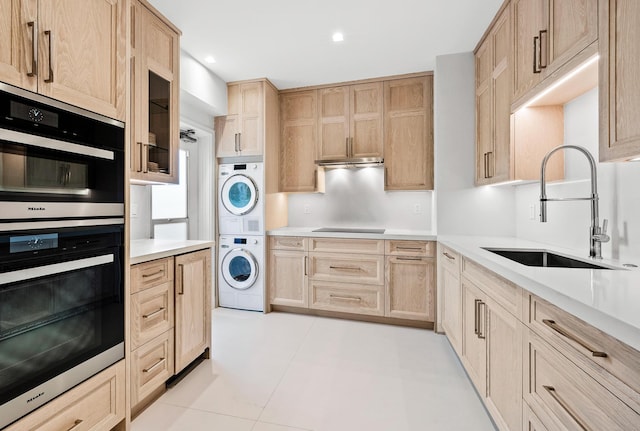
51	153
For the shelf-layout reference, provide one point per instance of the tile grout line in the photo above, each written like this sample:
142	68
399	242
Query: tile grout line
306	336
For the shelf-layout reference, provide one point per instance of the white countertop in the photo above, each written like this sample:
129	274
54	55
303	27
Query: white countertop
407	234
144	250
606	299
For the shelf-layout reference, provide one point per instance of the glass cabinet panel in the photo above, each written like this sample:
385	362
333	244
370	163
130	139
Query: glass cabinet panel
158	158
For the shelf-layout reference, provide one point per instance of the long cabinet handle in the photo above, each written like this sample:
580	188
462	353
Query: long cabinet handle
34	48
346	143
482	320
351	147
75	424
476	316
560	330
346	268
49	34
554	394
486	165
239	142
542	51
490	172
151	368
153	273
141	147
306	263
346	298
448	256
181	267
536	69
159	310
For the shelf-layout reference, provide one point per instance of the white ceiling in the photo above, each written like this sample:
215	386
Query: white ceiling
289	41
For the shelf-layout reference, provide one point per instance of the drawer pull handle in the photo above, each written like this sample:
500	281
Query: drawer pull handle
159	310
409	248
553	325
346	298
151	368
554	394
291	243
448	256
152	274
75	424
409	258
346	268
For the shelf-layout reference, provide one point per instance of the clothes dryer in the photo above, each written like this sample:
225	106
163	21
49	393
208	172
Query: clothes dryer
241	198
241	272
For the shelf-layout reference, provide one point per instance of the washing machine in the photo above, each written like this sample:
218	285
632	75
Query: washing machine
241	198
241	272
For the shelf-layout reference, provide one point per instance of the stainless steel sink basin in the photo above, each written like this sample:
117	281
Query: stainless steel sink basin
543	258
348	230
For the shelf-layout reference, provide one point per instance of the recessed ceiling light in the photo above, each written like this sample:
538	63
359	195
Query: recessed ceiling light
209	59
338	37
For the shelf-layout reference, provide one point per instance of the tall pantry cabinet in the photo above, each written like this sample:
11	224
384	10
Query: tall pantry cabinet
71	50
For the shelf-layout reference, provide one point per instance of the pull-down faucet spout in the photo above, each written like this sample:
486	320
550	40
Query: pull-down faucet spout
597	235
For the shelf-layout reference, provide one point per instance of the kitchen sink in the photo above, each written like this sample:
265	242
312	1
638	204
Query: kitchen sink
349	230
543	258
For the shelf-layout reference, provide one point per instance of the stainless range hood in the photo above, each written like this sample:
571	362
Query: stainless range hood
359	162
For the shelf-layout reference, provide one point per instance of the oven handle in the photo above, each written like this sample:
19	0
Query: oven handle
54	144
53	269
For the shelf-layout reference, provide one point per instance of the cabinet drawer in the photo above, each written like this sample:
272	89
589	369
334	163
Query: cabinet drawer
559	389
346	245
151	313
347	297
362	269
293	243
449	259
504	292
151	366
585	344
409	248
97	404
149	274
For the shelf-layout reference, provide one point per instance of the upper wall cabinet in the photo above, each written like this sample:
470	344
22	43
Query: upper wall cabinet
299	127
242	131
551	37
71	50
619	84
408	131
155	117
350	121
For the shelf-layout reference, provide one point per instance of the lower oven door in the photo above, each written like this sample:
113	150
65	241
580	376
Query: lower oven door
61	321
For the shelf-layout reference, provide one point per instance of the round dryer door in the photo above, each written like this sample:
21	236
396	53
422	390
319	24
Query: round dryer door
239	269
239	194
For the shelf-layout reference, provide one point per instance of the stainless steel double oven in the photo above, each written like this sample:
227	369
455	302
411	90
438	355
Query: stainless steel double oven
61	248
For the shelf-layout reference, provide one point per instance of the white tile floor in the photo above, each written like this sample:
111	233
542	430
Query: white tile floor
286	372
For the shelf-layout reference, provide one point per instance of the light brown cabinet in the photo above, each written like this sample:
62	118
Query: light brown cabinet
244	130
299	131
410	278
73	51
288	271
155	81
350	121
170	320
510	147
408	133
98	404
619	69
193	307
451	296
550	35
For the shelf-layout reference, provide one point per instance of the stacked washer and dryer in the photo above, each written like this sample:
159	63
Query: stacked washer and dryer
242	236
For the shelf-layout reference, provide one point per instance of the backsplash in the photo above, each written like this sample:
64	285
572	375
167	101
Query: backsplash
618	188
356	198
140	210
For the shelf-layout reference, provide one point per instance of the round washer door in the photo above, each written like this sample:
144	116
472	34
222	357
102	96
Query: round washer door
239	269
239	194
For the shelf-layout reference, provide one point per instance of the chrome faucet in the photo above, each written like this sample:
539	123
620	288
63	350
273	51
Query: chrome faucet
597	234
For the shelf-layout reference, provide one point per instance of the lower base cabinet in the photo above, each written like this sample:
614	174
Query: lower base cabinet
97	404
378	278
535	366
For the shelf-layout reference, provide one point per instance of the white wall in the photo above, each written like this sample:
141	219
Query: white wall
200	83
356	198
618	187
462	208
140	207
